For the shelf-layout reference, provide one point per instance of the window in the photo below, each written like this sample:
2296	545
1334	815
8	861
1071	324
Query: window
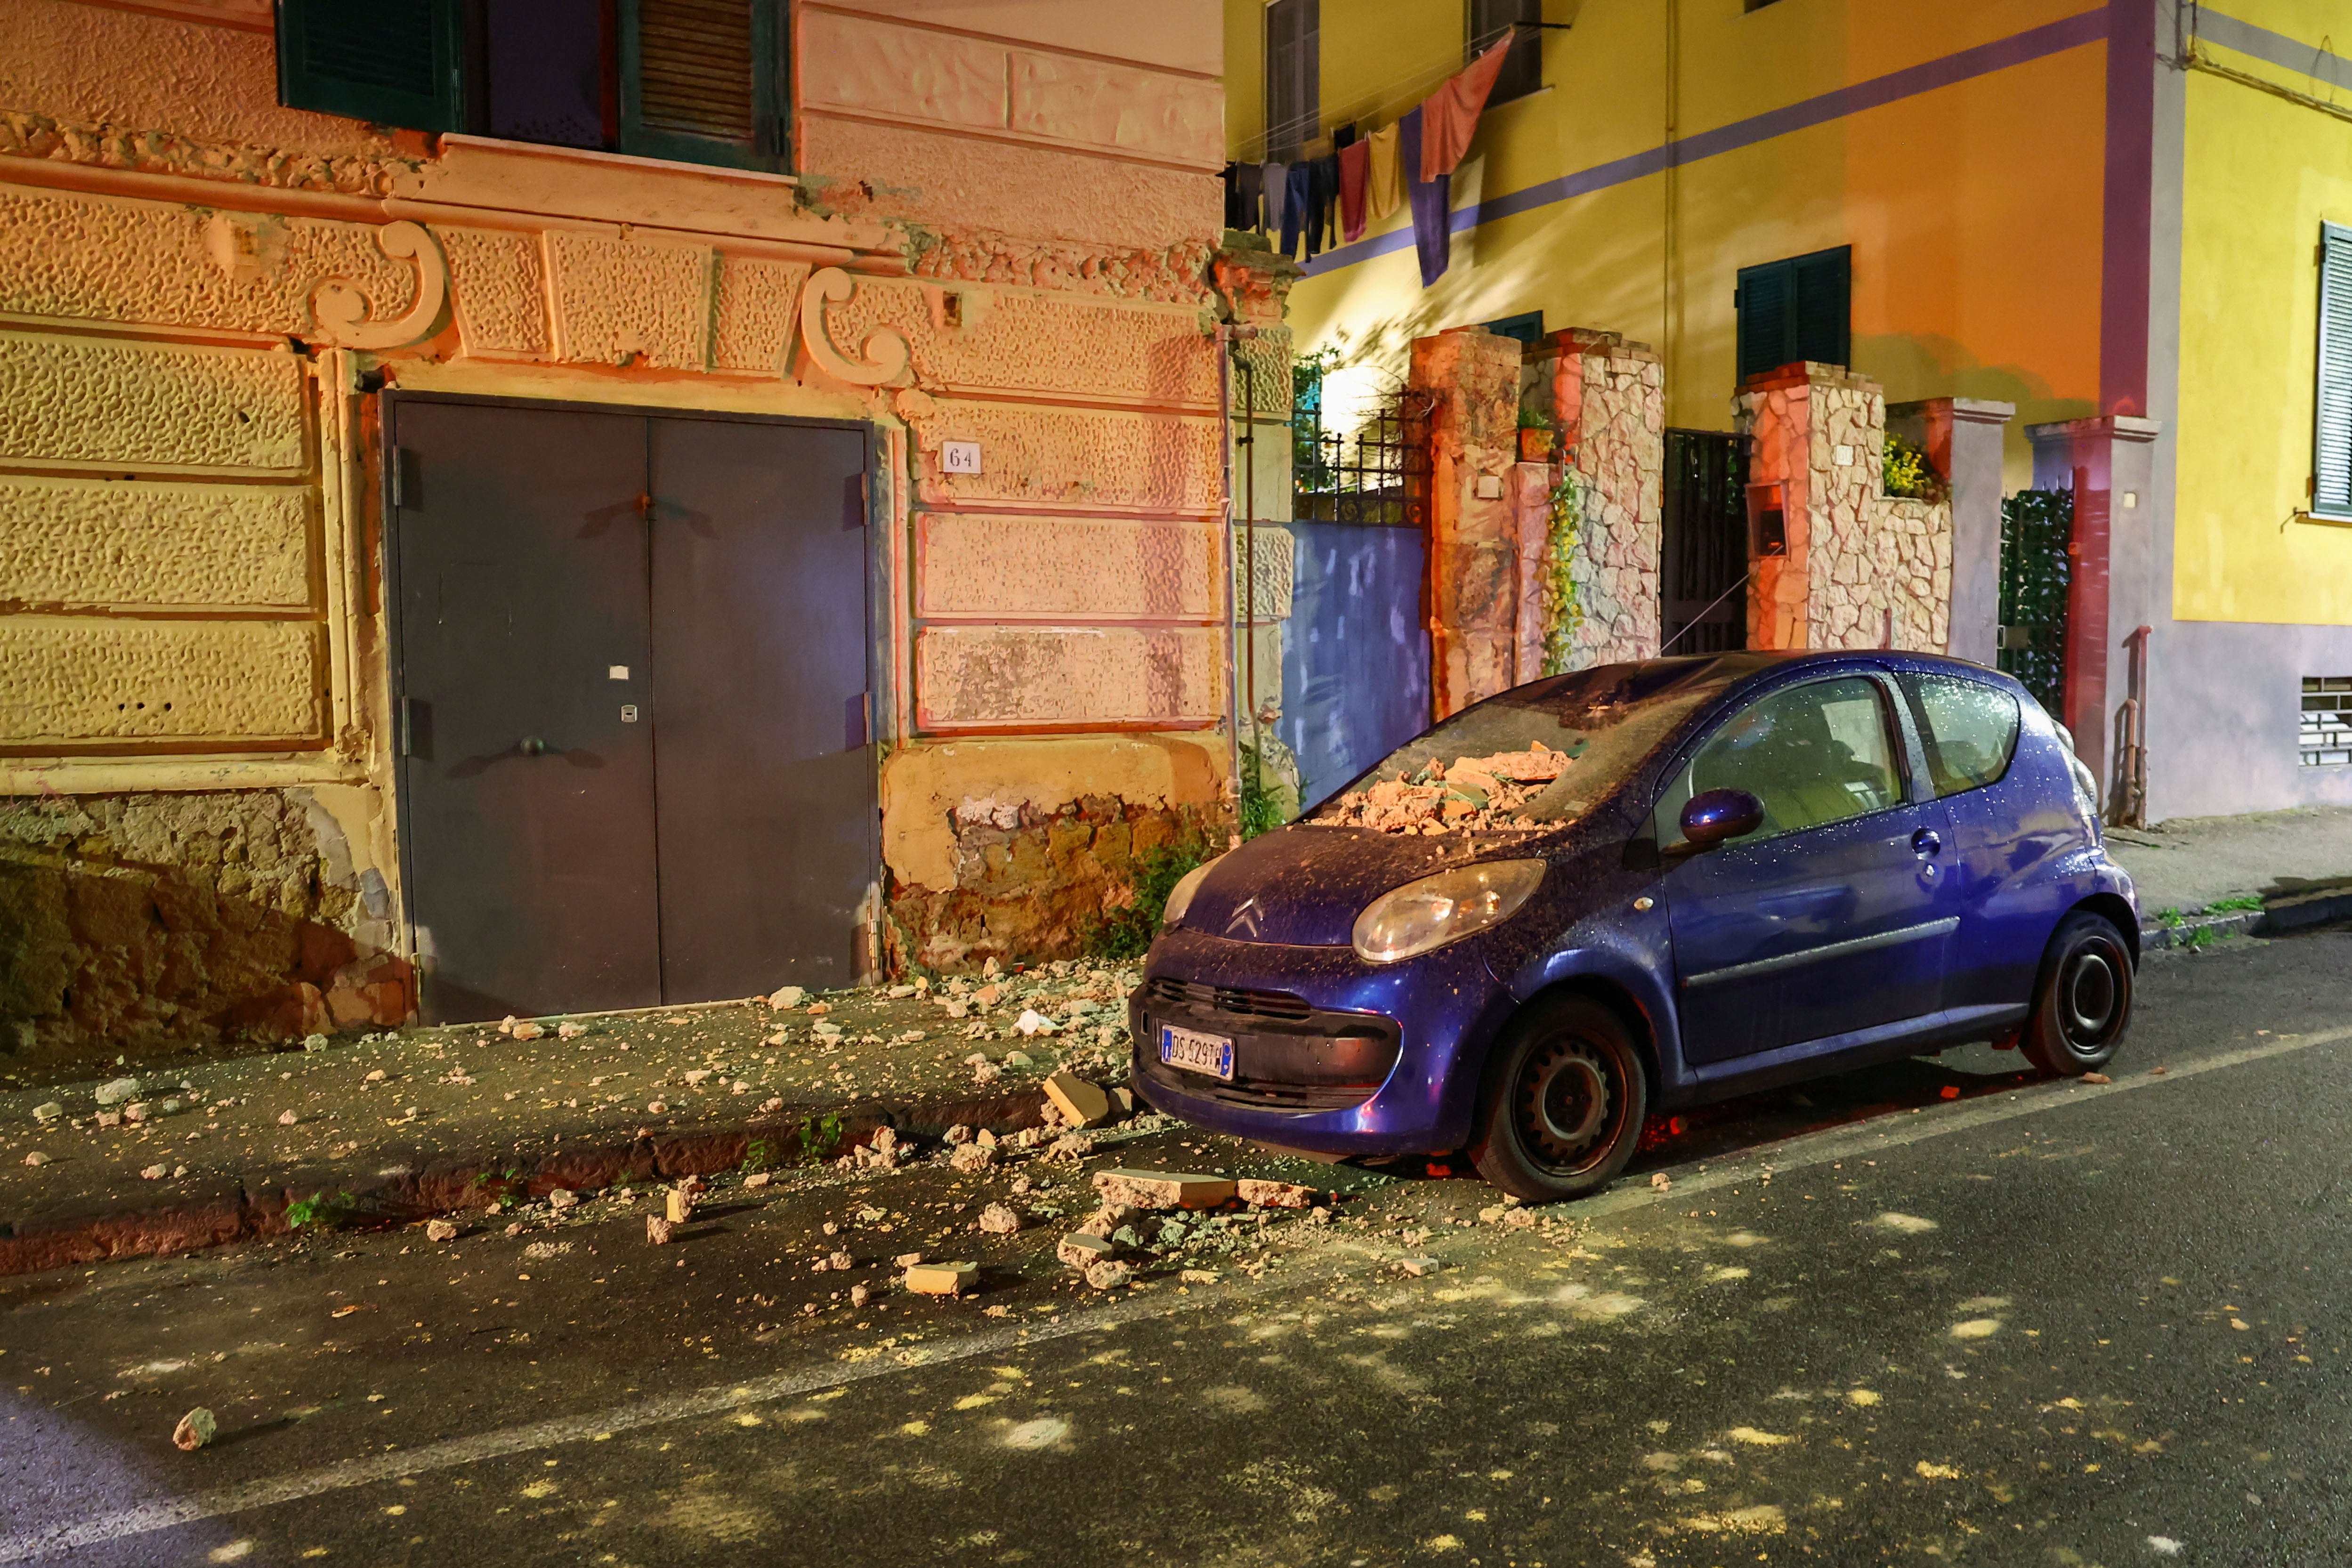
1294	77
2325	731
1969	727
1814	754
1527	327
2331	485
1795	309
703	81
1522	70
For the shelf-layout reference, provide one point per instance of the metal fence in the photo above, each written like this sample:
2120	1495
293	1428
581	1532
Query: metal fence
1377	474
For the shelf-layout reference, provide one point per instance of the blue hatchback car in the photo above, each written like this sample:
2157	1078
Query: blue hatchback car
1637	887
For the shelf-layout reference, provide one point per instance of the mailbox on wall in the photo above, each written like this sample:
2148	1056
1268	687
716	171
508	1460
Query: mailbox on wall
1768	519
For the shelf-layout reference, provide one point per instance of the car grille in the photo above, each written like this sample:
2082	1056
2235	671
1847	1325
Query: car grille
1261	1096
1225	999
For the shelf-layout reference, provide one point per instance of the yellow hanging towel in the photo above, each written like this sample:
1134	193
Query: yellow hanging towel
1385	182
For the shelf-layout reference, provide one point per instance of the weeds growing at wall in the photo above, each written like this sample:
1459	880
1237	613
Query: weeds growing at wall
1908	473
1127	933
1563	611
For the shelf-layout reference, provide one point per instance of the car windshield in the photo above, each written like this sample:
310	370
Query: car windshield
1534	757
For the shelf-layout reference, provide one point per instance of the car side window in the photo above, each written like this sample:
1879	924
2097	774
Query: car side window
1814	754
1969	729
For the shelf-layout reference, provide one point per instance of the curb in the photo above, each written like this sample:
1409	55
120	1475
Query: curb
253	1208
2287	912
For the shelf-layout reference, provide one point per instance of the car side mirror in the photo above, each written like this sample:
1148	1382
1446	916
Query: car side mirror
1715	815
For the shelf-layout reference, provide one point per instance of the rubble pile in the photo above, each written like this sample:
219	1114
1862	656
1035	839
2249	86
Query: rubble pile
1470	794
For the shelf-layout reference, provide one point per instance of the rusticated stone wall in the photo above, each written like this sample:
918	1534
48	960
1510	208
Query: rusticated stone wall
1862	568
1472	377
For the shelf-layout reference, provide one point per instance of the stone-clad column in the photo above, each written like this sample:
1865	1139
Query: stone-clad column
1962	437
1473	379
1607	398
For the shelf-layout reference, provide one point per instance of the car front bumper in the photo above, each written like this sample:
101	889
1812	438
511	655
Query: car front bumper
1331	1053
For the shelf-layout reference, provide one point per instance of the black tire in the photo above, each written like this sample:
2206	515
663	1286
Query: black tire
1565	1100
2083	1004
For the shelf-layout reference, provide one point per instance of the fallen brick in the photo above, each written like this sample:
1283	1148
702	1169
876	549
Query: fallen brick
1274	1194
1082	1251
942	1278
1163	1189
1082	1102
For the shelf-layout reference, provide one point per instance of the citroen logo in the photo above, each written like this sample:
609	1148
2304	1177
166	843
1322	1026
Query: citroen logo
1243	921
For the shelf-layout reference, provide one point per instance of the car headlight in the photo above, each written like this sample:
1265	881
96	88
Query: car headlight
1446	908
1179	896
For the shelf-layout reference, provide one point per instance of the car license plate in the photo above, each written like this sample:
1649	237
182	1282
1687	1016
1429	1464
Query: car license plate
1196	1052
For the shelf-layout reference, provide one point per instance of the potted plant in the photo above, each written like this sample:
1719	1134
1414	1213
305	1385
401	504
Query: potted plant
1534	434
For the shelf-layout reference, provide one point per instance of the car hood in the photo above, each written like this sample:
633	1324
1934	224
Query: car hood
1304	886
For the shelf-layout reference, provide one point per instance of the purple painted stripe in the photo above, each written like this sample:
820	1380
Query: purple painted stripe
2017	49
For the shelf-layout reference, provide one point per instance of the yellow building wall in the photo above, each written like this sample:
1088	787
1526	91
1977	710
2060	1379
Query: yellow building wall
2261	175
1973	208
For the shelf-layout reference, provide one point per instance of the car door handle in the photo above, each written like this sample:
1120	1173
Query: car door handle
1926	841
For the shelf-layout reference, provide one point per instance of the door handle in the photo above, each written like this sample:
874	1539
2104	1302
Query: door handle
1926	842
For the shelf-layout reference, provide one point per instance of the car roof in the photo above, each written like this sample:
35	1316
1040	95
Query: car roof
1744	667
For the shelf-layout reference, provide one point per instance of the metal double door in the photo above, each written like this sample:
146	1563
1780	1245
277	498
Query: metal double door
631	662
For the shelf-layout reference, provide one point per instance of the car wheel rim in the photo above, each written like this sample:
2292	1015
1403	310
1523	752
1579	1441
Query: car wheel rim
1567	1105
2090	996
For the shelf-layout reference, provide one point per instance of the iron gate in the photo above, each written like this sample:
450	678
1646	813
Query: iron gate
2037	527
1703	546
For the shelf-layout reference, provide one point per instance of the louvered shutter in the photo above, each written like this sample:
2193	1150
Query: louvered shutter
1765	317
2332	458
1294	111
1522	70
1824	287
704	80
392	62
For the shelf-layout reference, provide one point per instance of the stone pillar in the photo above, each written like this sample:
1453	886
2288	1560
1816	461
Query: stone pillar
2108	464
1859	568
1472	377
1963	439
1607	398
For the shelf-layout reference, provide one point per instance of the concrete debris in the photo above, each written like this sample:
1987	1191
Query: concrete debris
1199	1277
440	1230
1122	1100
153	1172
858	1295
116	1093
958	1135
109	1119
757	1180
1274	1194
773	1104
196	1429
570	1031
1420	1268
539	1251
869	1215
375	1077
287	1117
886	1150
135	1112
506	1025
2096	1078
1071	1147
657	1229
656	1108
37	1158
907	1259
562	1198
1480	794
1109	1275
697	1075
315	1042
990	969
1032	1023
986	1072
1662	1181
842	1261
999	1219
986	1137
1163	1189
973	1157
942	1278
48	1111
786	996
1019	1060
528	1031
1111	1216
1082	1251
1082	1104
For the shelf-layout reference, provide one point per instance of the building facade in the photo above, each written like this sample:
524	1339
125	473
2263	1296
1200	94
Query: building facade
2065	246
537	508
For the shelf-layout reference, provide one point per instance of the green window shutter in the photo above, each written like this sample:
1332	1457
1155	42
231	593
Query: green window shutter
705	81
2331	491
1766	317
1824	292
392	62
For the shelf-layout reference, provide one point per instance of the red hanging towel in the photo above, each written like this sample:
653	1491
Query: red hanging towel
1355	161
1449	117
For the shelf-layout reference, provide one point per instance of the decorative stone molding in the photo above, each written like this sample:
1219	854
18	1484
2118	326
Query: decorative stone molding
1177	275
28	136
342	311
882	356
1252	280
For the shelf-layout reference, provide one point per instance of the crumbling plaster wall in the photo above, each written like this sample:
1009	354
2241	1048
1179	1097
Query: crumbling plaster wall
189	496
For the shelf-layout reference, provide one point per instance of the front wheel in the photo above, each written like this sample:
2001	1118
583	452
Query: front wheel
2084	1003
1565	1103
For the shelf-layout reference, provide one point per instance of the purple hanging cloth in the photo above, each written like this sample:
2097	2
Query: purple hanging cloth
1431	203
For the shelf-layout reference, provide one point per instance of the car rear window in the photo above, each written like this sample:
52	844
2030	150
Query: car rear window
1971	730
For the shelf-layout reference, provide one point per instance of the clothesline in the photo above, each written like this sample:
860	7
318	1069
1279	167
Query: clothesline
1374	103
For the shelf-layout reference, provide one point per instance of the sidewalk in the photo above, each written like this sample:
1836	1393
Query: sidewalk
2297	863
405	1125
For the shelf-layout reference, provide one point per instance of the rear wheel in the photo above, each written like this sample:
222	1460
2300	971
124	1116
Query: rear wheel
1566	1099
2084	1003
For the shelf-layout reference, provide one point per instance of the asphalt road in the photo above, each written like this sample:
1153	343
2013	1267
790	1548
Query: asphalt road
2032	1323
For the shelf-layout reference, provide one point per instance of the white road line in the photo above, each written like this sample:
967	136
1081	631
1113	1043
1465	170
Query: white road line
1796	1154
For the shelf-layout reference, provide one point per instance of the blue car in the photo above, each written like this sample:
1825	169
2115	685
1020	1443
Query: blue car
1639	888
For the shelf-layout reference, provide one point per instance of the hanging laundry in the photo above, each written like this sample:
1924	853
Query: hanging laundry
1383	174
1251	207
1274	179
1232	176
1323	203
1298	186
1449	117
1355	161
1431	200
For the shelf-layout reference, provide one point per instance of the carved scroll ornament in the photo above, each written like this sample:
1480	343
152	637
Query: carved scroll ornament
342	310
883	356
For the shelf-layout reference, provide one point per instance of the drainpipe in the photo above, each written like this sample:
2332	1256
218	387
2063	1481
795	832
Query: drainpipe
1229	333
